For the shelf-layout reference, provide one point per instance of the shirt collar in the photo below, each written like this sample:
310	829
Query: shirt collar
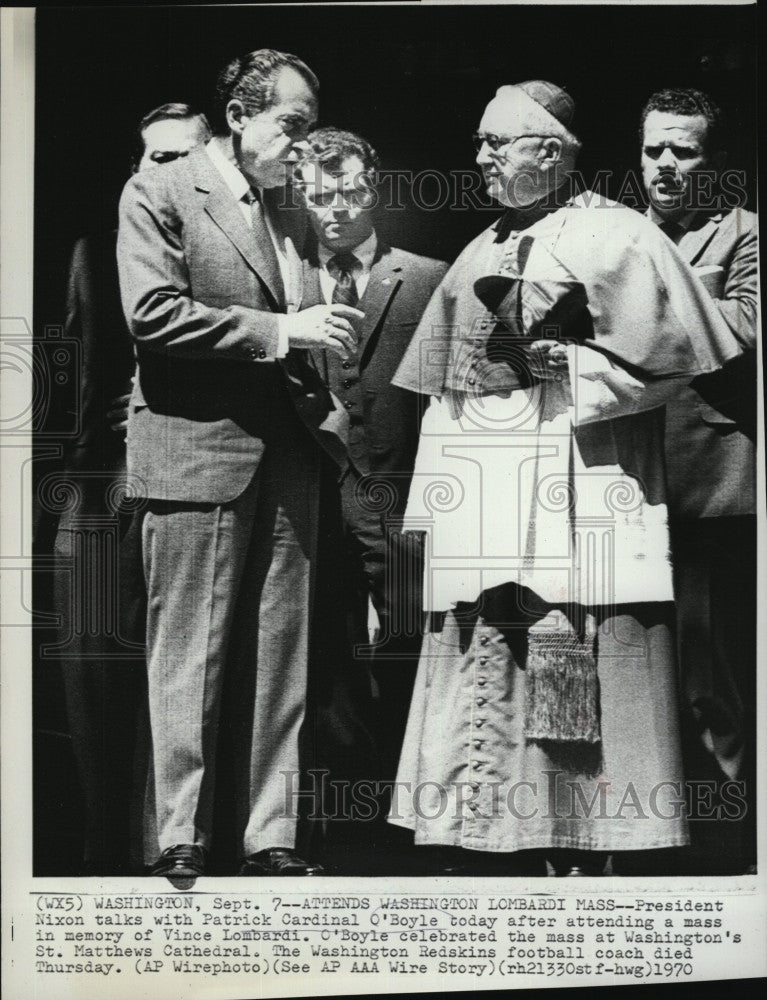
684	222
232	176
365	253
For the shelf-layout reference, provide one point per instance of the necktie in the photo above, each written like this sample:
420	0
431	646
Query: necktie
342	267
673	230
267	251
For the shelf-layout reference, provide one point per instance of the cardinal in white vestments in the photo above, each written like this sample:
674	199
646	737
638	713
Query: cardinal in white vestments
544	715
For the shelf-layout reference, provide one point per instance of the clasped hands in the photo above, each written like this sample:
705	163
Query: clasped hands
547	359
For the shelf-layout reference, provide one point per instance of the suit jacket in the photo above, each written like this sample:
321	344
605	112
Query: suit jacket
384	419
95	459
711	427
201	292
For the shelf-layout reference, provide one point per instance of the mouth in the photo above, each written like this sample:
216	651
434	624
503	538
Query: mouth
669	185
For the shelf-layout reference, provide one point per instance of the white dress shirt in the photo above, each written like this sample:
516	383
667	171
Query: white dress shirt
287	257
365	254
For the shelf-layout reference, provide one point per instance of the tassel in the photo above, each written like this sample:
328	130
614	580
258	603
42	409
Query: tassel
562	686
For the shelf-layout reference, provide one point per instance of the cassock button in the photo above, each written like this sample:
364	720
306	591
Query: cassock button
347	383
474	785
478	744
481	701
482	681
348	404
483	640
477	765
482	660
346	364
472	381
479	723
262	353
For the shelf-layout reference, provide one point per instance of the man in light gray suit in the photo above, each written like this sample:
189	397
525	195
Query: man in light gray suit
224	435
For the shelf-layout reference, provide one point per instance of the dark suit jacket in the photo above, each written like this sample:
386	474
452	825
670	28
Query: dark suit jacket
201	292
95	458
384	419
711	426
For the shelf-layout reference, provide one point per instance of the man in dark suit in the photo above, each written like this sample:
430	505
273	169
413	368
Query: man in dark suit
349	262
98	583
223	432
710	458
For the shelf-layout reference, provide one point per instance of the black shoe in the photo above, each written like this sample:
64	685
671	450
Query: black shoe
278	861
182	864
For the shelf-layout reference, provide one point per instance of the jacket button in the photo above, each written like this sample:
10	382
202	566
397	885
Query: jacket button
346	364
348	404
347	383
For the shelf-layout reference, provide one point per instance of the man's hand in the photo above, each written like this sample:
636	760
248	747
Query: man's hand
548	359
325	326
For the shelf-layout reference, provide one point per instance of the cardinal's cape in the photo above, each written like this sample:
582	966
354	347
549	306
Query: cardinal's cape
649	312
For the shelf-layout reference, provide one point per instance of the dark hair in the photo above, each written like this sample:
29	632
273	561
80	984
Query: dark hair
250	79
173	110
687	101
331	146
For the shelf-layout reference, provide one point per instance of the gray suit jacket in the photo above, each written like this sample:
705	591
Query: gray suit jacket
384	419
201	292
711	425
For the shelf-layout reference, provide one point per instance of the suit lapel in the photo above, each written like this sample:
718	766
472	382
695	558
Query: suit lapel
385	280
255	245
695	241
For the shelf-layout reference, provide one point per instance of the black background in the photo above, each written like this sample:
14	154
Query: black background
413	80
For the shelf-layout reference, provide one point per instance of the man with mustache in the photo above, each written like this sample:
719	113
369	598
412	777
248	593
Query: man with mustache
710	446
544	713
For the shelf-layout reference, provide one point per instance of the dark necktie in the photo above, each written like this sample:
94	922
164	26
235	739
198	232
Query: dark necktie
342	267
673	230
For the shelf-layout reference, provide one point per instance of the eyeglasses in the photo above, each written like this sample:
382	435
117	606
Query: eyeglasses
496	142
349	199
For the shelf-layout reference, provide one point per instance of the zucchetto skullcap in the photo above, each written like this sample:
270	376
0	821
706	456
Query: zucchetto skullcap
555	100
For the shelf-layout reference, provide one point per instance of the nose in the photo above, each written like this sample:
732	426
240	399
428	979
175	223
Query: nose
338	205
299	148
483	156
667	159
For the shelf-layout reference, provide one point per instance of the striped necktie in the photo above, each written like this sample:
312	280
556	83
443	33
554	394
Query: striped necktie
342	267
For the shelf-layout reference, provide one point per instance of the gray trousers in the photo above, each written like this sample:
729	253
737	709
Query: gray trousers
229	595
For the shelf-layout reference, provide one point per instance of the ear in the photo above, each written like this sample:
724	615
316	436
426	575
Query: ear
235	112
550	152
